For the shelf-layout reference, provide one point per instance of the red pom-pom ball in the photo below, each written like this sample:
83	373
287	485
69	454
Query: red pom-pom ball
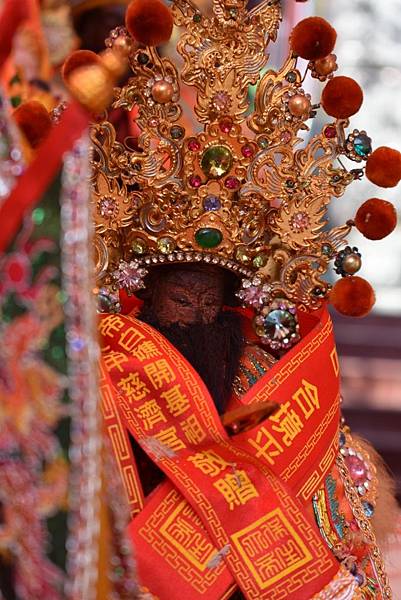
150	22
376	219
352	297
34	121
77	59
383	167
342	97
313	38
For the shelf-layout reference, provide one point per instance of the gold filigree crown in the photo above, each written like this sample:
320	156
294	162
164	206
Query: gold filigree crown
240	188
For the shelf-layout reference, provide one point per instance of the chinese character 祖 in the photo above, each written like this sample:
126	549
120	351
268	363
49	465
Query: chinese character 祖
270	448
151	413
110	324
146	350
159	372
193	430
209	462
287	422
170	439
236	488
177	402
133	387
130	338
307	398
114	360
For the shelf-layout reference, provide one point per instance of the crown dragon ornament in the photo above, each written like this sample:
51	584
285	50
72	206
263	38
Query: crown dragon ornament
242	189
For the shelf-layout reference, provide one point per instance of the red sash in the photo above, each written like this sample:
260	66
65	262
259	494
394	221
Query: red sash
232	509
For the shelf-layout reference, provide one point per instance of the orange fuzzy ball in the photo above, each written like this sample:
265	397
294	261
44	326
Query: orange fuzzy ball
376	219
34	121
383	167
352	297
150	22
342	97
78	59
313	38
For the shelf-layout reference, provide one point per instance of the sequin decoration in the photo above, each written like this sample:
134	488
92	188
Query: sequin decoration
11	160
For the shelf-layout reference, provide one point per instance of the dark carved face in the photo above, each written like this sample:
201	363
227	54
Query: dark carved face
185	303
185	297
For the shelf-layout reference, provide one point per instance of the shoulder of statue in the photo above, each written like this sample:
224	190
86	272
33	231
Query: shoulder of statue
254	363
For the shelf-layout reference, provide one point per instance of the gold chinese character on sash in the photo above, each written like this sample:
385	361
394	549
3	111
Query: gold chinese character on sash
130	338
151	414
266	445
271	548
159	373
177	402
110	324
114	360
145	351
236	488
170	439
307	398
287	423
183	530
193	430
209	462
133	387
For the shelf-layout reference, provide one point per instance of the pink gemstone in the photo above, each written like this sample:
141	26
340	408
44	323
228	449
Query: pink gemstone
330	132
299	221
357	469
195	181
153	122
193	145
221	100
254	296
354	525
247	151
225	125
231	183
286	137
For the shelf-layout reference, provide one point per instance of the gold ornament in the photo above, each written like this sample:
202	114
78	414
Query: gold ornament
299	105
162	91
241	189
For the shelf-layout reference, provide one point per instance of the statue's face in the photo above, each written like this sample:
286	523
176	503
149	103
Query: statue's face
186	296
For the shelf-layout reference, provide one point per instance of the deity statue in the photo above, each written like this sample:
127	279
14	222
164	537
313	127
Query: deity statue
220	377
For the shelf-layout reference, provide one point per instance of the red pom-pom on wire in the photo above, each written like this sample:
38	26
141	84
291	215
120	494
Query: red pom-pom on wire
34	121
77	59
342	97
150	22
383	167
313	38
376	219
352	296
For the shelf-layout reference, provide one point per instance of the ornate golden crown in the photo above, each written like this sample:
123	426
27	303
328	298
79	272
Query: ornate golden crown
241	189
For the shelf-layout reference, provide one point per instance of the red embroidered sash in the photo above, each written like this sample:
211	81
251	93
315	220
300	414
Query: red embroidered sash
232	508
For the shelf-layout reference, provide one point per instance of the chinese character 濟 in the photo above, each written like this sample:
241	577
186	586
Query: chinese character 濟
151	413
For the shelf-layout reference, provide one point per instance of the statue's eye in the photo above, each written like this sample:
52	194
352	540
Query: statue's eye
182	301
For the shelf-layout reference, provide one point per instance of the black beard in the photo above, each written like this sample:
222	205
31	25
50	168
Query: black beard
214	350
